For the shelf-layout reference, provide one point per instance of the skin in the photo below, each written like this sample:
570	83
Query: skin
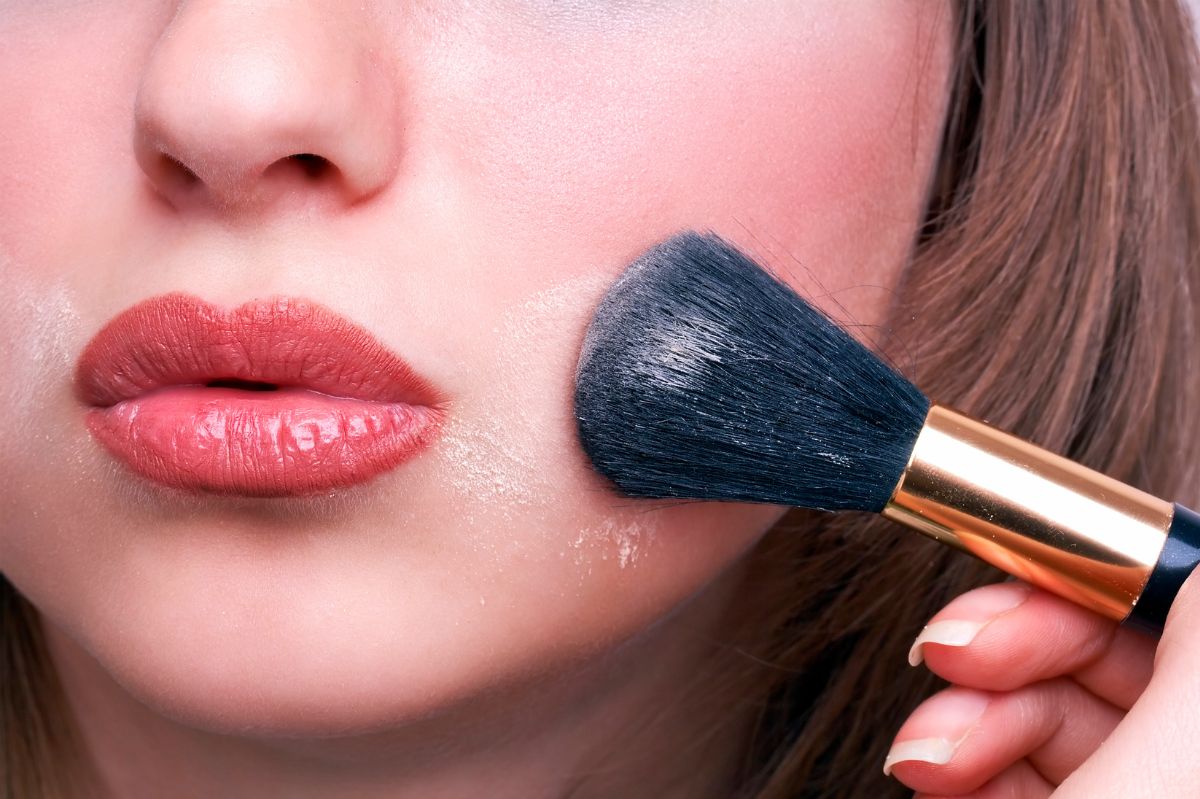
489	618
1049	699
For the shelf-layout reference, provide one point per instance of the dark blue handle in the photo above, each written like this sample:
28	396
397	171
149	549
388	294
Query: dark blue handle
1179	557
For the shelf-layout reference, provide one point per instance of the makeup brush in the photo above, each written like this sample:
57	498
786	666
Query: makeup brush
702	376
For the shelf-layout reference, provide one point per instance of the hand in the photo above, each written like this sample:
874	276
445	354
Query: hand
1049	699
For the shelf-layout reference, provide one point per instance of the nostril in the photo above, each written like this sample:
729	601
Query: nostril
314	166
174	170
302	167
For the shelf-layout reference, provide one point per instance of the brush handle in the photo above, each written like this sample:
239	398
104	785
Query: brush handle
1179	557
1045	519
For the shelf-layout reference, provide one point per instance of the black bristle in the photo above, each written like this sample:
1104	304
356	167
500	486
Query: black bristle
703	376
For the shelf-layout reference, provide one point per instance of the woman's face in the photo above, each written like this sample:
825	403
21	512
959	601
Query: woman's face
494	166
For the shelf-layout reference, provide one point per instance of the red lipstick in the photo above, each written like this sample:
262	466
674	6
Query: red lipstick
279	397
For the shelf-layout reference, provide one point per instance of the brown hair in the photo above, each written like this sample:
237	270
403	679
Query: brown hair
1052	291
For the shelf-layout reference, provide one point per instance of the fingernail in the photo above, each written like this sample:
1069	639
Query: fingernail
948	632
955	712
937	751
972	612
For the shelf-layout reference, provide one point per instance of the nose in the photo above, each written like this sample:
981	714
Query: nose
248	107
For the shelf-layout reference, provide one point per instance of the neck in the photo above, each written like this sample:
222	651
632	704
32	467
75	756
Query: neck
585	732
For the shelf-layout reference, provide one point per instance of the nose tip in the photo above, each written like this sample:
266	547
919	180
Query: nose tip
242	108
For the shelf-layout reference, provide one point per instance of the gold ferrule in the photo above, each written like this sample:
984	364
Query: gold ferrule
1037	516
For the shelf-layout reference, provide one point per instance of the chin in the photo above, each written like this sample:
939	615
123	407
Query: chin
299	676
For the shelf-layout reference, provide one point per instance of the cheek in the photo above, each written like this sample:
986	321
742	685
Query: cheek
547	526
810	150
70	138
39	330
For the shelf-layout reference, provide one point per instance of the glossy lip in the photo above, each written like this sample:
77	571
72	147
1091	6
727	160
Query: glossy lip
342	409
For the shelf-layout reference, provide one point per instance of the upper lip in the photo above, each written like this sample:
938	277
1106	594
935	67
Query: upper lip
179	339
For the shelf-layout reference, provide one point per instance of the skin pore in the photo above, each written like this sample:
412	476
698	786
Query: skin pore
488	618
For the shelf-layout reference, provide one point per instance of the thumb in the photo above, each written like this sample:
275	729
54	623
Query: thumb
1180	641
1153	751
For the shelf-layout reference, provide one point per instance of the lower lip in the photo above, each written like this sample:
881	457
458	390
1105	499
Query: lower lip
287	442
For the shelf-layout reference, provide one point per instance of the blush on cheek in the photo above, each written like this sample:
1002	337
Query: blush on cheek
814	148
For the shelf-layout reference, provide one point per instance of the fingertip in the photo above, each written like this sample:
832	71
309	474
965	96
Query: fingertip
987	602
933	751
922	756
1045	637
947	632
958	623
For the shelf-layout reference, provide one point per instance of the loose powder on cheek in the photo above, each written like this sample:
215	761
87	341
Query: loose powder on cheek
41	452
496	444
38	324
624	538
503	460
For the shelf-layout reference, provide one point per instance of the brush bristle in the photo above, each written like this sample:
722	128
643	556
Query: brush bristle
702	376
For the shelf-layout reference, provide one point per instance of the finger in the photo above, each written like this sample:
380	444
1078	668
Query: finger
961	738
1006	635
1152	752
1018	781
